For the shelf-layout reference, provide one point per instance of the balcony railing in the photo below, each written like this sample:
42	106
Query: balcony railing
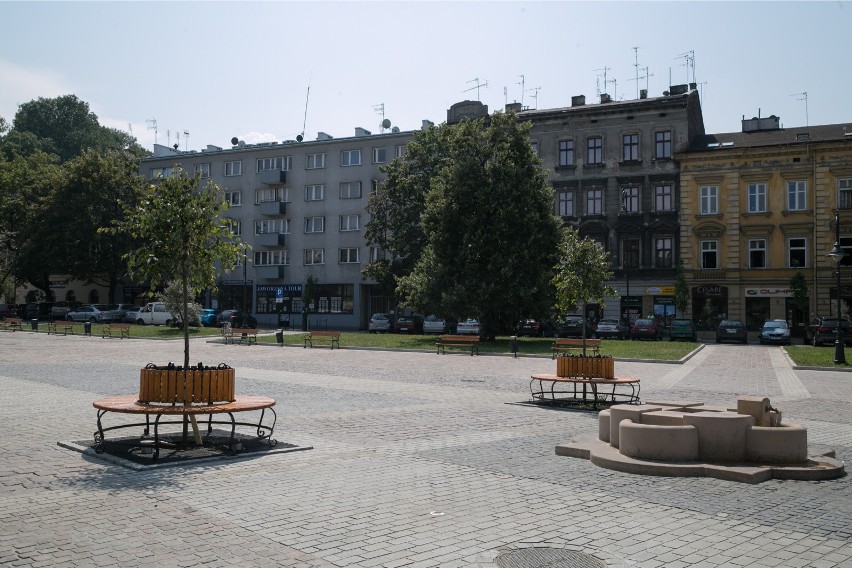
269	239
714	274
273	207
272	272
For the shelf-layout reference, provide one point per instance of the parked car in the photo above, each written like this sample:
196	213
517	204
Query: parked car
530	328
469	326
209	316
379	322
612	327
408	324
572	326
155	313
60	309
118	311
683	329
132	315
434	324
775	331
645	328
237	319
823	331
731	330
6	311
91	313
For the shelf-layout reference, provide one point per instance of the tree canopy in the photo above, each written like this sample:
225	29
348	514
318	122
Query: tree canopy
467	219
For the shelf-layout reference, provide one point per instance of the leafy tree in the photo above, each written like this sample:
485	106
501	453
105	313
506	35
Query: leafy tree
582	273
180	235
172	296
485	239
681	291
801	294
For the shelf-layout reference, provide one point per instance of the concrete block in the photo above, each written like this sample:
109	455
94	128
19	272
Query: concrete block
603	426
780	444
663	418
756	406
721	435
619	412
652	442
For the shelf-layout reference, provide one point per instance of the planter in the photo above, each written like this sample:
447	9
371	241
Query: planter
580	367
173	385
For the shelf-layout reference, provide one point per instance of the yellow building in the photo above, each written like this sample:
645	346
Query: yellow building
756	207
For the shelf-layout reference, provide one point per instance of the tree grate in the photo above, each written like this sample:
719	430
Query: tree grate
547	558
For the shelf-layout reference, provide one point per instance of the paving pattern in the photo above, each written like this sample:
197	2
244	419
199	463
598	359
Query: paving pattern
418	460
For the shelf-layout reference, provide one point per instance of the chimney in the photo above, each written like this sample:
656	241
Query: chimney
323	136
361	131
605	98
424	124
643	93
513	107
678	89
578	101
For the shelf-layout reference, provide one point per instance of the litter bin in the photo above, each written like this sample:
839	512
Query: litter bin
34	324
513	345
279	337
87	328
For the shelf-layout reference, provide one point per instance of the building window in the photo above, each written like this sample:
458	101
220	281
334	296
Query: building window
663	144
272	226
399	151
234	168
234	198
797	195
275	257
202	170
236	227
375	254
284	163
315	256
664	252
630	202
350	222
350	158
757	253
709	199
797	253
594	202
664	197
757	198
534	147
709	254
162	173
630	253
380	155
566	152
314	224
374	187
271	195
565	203
844	193
594	150
315	192
350	190
315	161
350	256
630	146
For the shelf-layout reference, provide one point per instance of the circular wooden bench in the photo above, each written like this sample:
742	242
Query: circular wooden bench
129	404
591	392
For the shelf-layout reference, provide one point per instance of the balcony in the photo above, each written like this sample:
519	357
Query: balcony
269	239
273	272
272	177
272	208
716	274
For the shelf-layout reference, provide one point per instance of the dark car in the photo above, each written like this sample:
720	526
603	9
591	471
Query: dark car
612	327
823	331
209	316
530	328
6	311
683	329
237	319
572	326
408	324
731	330
645	328
775	331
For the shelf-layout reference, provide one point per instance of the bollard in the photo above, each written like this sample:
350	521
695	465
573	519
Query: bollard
513	345
87	328
279	337
34	324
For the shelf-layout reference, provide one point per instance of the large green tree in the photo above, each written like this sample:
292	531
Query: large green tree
480	236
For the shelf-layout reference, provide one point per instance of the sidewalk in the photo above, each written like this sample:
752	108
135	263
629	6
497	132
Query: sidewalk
418	460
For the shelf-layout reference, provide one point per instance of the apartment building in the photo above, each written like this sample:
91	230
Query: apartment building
301	206
758	206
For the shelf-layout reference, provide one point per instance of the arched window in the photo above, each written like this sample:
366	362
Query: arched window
94	297
70	296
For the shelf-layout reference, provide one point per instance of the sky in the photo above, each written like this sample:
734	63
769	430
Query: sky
269	71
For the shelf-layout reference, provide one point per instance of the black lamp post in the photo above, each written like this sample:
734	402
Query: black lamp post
626	260
837	255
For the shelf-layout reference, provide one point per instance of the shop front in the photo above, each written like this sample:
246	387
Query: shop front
709	306
279	304
235	295
767	303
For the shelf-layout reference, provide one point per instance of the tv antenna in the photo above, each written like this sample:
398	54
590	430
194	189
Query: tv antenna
152	125
186	140
380	109
597	80
505	96
301	136
521	83
803	96
615	88
645	76
636	68
689	61
534	91
477	86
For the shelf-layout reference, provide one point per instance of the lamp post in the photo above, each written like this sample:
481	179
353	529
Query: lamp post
836	254
625	260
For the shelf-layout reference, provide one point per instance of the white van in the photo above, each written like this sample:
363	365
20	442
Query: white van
155	313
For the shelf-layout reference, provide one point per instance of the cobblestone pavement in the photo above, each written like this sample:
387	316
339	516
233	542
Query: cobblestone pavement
418	460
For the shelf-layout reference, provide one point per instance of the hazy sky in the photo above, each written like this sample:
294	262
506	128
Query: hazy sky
224	69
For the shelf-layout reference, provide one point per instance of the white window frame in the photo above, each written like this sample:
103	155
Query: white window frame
235	226
315	161
663	144
352	255
272	257
757	246
350	223
234	198
844	193
380	155
631	198
282	163
664	197
709	195
799	245
350	157
669	263
565	202
375	254
797	195
315	224
271	226
399	150
234	168
756	197
315	192
565	150
710	247
271	195
374	187
350	190
314	256
203	170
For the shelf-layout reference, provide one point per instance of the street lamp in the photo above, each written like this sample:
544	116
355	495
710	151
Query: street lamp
836	254
625	260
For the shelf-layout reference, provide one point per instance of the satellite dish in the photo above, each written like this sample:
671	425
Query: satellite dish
242	144
395	129
299	138
234	141
386	123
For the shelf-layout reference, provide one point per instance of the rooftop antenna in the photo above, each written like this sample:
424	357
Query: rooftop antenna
615	88
597	83
168	137
803	96
477	86
301	136
646	77
130	128
521	83
505	96
186	140
380	109
689	61
152	125
636	68
535	91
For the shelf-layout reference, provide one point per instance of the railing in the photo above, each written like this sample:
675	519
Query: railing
716	274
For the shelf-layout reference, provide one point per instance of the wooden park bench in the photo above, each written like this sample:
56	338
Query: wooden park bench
12	324
571	345
467	341
332	338
247	336
65	326
122	329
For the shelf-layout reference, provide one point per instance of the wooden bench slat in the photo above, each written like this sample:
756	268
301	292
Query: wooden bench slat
471	341
330	337
570	345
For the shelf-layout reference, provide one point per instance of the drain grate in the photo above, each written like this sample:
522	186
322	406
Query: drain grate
547	558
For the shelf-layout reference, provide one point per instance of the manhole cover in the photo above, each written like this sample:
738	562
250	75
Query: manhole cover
547	558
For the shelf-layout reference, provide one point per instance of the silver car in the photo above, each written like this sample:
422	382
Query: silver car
92	313
434	324
469	326
379	322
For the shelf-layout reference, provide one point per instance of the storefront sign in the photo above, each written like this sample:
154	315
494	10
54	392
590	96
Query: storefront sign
284	288
710	291
237	282
769	292
659	291
59	283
